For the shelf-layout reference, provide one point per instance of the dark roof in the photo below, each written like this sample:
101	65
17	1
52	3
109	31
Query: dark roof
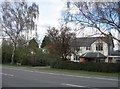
93	55
87	41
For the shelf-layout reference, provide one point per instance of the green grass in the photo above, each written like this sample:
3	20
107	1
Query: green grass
75	72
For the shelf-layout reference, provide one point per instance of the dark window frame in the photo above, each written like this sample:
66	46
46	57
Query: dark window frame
88	48
99	46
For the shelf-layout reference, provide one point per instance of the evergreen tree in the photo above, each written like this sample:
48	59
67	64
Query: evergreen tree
45	42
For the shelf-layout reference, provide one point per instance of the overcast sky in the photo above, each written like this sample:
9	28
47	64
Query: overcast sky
49	14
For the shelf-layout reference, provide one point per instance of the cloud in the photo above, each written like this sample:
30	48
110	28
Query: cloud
50	12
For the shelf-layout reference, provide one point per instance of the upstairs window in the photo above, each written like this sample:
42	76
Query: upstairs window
87	48
99	46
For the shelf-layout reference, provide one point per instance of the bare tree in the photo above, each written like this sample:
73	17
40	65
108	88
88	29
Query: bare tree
103	16
16	18
60	41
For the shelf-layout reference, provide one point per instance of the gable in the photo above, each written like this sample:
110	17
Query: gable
99	41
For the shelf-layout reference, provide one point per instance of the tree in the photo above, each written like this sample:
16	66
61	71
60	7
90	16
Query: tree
46	41
16	19
20	54
60	41
104	16
6	51
33	45
21	51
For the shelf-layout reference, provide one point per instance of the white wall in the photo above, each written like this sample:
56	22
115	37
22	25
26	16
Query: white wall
93	48
105	47
72	57
83	50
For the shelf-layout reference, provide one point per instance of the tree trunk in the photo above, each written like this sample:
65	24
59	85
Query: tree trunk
13	53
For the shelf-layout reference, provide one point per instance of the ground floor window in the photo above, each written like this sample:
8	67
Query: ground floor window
117	59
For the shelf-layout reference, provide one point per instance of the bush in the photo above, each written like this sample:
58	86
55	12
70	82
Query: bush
6	57
37	60
88	66
24	56
6	53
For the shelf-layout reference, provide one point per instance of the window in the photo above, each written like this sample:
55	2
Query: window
87	48
99	46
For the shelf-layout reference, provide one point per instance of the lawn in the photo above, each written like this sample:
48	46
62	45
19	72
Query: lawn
75	72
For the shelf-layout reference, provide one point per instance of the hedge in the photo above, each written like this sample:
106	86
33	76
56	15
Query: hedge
6	57
34	61
87	66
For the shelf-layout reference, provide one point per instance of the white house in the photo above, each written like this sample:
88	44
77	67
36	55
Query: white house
114	57
95	49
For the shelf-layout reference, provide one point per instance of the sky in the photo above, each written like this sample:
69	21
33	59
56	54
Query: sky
49	14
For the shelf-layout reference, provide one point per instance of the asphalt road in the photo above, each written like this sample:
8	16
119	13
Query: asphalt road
22	77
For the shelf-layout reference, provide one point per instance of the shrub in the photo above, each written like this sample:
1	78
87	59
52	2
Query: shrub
6	57
88	66
6	53
37	60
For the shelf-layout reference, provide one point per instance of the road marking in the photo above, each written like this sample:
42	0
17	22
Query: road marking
65	74
72	85
7	74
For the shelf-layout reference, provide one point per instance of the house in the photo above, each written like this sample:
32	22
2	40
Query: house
45	50
114	57
95	49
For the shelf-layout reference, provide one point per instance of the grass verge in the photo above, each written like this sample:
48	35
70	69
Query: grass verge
75	72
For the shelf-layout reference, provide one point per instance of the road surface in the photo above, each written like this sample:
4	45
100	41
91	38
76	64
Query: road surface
22	77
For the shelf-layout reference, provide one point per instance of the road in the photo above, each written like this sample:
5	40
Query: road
22	77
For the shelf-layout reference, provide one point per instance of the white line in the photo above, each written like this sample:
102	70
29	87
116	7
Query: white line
66	75
7	74
105	79
72	85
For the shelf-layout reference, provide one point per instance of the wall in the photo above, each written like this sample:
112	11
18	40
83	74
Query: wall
93	49
83	50
105	47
